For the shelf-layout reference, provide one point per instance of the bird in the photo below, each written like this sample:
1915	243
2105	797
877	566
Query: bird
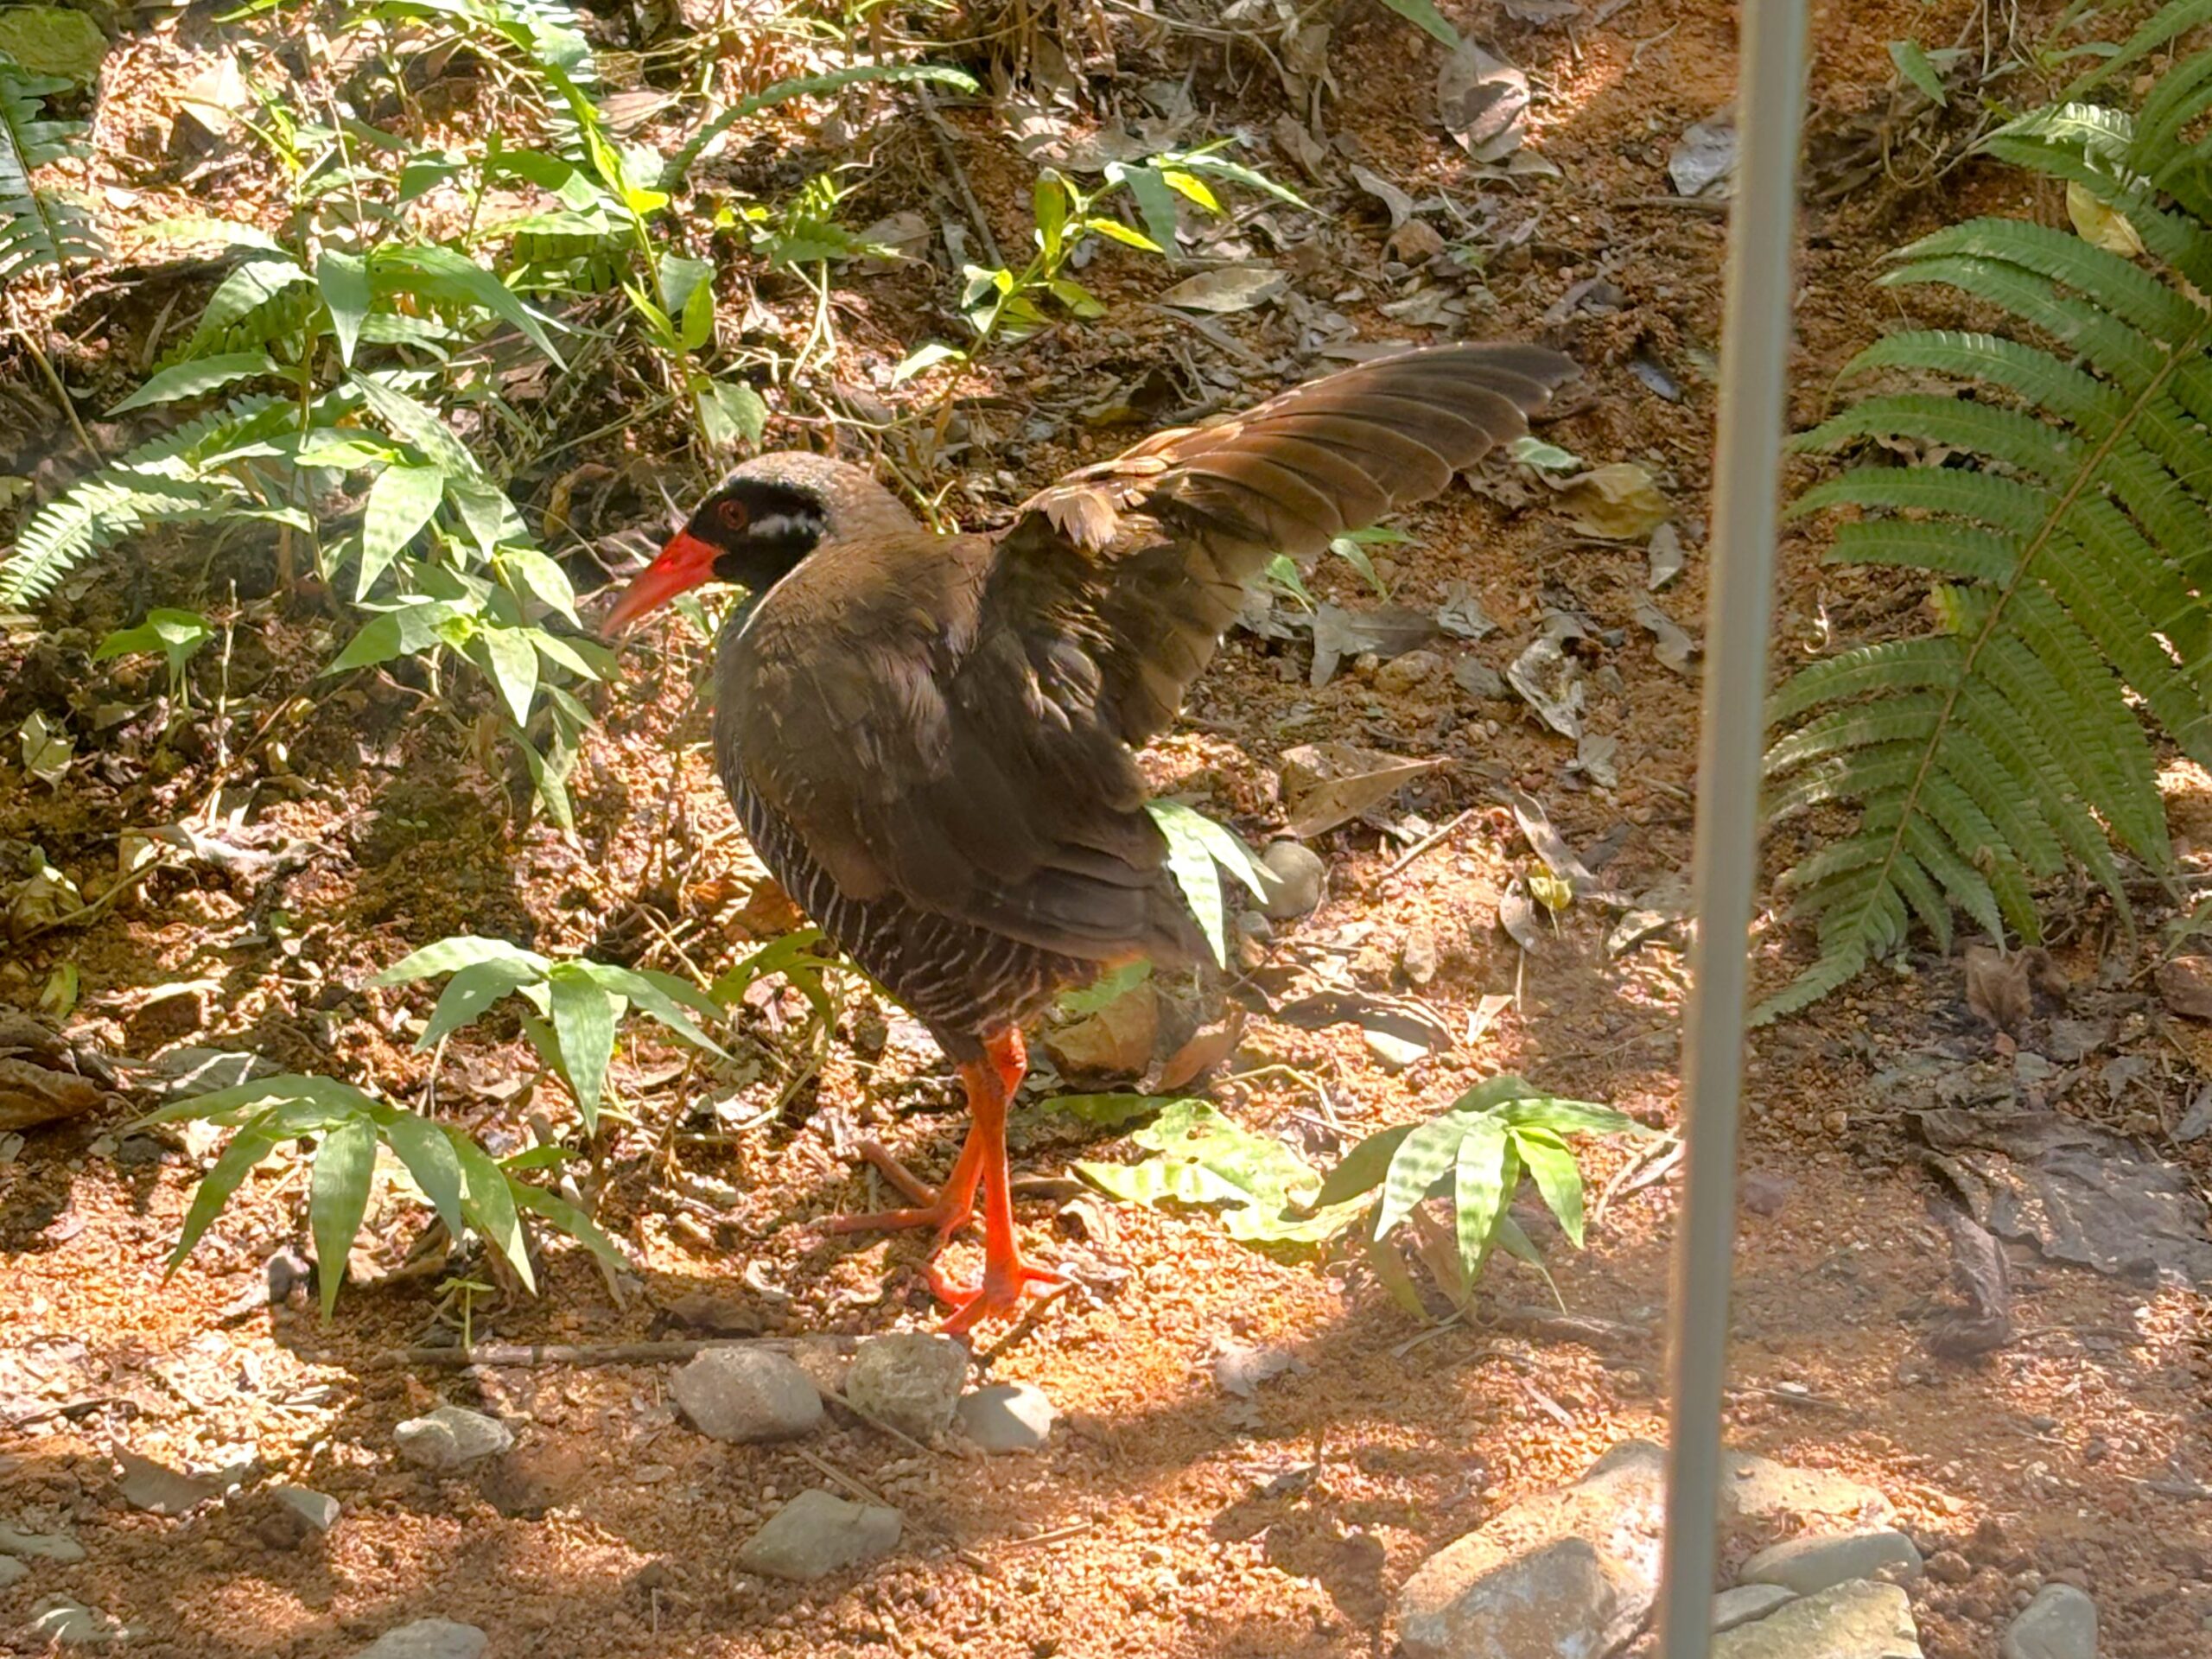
931	739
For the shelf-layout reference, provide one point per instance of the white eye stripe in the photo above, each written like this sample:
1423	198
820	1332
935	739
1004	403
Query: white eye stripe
784	524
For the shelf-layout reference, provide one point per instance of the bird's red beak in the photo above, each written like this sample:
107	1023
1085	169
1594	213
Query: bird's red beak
682	565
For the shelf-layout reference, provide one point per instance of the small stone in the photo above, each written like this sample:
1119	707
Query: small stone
40	1545
2061	1623
1300	880
1395	1054
1948	1567
1008	1417
748	1393
1419	956
1810	1565
318	1509
1409	672
158	1488
450	1437
817	1533
1753	1488
427	1638
1745	1603
1854	1620
1477	677
910	1380
12	1571
71	1624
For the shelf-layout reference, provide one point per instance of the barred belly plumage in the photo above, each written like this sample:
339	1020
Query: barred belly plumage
961	980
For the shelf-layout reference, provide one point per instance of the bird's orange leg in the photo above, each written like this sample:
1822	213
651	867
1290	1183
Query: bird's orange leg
991	1085
947	1209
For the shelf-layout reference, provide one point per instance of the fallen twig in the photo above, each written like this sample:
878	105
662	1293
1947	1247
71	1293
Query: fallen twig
502	1355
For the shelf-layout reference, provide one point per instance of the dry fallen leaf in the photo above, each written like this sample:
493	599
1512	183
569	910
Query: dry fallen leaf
1551	682
1516	914
1325	785
1998	988
1117	1039
2101	226
1618	503
1396	202
1232	288
1703	161
1482	103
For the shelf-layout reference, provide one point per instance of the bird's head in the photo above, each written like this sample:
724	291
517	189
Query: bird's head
764	518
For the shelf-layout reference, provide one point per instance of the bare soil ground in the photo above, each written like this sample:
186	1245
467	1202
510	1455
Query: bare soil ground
1166	1517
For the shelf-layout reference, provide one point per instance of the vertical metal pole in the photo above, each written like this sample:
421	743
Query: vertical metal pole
1754	355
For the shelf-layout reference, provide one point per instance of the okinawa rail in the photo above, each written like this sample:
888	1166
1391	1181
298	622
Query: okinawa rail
930	738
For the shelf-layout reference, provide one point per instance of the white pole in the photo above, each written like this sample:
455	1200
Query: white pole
1754	355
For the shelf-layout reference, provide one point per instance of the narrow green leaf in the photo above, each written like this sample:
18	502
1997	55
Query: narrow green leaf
490	1206
1363	1167
1424	15
473	989
248	1147
401	501
1418	1164
343	280
1912	62
422	1146
583	1013
434	272
662	996
197	376
448	956
532	572
1196	845
569	1219
1483	1162
338	1198
1558	1178
511	660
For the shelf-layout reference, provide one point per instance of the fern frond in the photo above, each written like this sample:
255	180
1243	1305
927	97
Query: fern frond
2069	560
166	481
39	229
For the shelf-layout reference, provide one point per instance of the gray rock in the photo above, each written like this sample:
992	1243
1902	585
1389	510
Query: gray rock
910	1379
12	1571
158	1488
40	1545
1755	1489
1008	1417
1477	677
1809	1565
1300	879
1561	1575
1745	1603
318	1509
73	1624
748	1393
427	1638
2061	1623
450	1437
817	1533
1857	1620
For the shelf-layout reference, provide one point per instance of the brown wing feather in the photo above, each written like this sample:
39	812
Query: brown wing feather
954	720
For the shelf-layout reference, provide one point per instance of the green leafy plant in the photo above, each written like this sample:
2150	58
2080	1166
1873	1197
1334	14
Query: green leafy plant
175	636
2061	511
470	1190
580	1005
39	230
1013	301
1198	850
1472	1159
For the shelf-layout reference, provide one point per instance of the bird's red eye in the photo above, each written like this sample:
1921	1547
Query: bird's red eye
730	513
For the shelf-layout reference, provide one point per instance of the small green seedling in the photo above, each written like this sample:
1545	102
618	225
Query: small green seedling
176	635
579	1005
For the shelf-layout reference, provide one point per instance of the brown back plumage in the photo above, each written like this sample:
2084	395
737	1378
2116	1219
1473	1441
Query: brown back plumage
946	723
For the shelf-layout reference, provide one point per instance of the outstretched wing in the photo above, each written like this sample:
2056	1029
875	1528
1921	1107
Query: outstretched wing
963	737
1152	549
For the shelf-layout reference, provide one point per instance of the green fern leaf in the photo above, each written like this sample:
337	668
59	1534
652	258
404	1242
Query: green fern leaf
2068	559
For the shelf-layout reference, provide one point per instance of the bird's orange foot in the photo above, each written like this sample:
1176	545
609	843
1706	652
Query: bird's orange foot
1000	1292
947	1209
